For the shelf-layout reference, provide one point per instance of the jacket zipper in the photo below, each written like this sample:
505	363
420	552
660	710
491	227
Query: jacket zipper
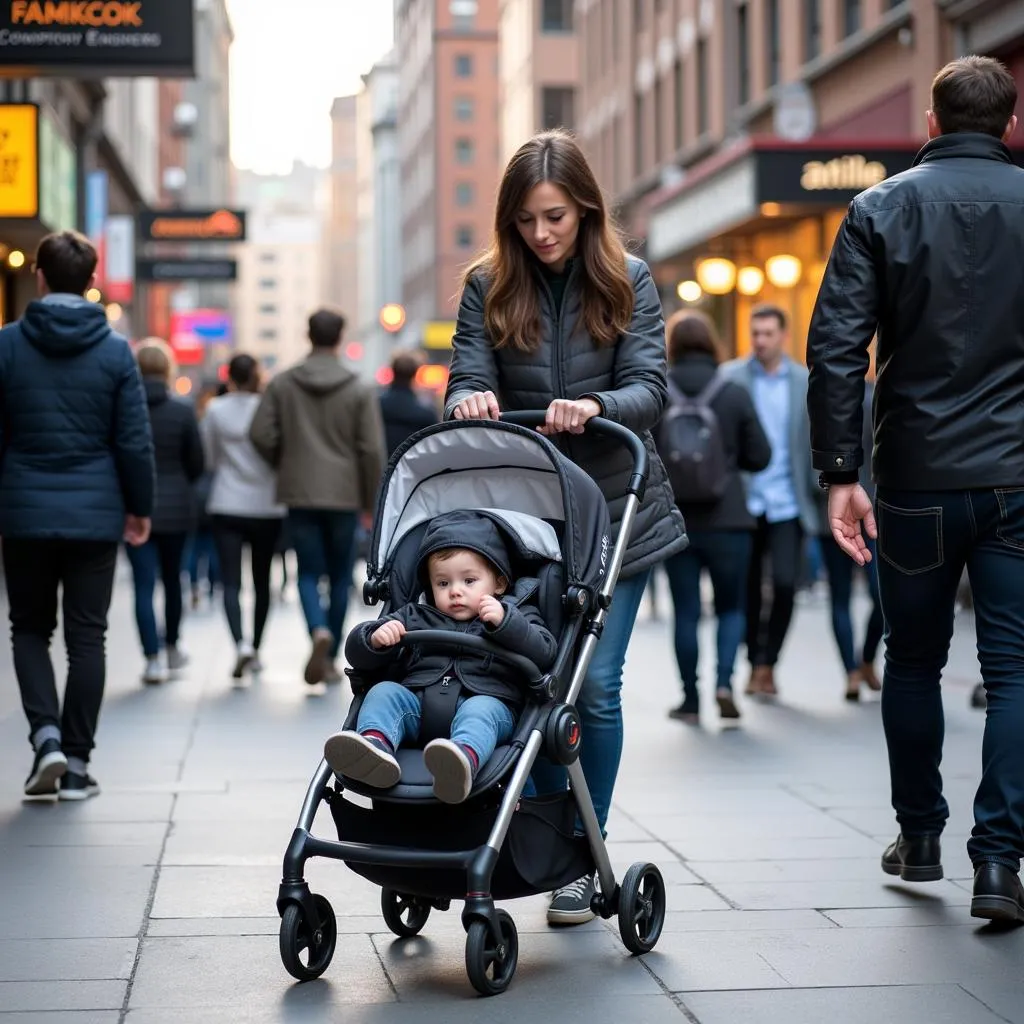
556	345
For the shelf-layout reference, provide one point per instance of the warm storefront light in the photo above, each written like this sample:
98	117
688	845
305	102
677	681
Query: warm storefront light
114	312
689	291
16	259
749	280
716	275
93	295
183	386
783	271
770	209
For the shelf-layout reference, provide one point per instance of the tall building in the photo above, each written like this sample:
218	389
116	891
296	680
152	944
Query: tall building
741	129
538	69
448	133
280	265
379	210
341	284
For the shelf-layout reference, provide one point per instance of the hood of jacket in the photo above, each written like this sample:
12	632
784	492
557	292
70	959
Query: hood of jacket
64	325
322	373
467	531
157	391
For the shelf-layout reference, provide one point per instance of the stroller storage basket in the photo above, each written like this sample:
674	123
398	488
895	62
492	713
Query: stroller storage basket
541	852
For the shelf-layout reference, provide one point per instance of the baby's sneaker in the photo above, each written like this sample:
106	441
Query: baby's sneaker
362	759
452	768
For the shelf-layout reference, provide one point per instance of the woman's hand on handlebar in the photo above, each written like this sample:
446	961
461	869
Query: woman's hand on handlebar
481	405
567	416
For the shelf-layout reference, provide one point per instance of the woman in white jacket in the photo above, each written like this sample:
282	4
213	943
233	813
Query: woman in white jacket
241	504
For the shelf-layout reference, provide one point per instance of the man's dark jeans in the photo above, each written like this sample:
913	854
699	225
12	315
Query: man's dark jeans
781	543
925	540
35	570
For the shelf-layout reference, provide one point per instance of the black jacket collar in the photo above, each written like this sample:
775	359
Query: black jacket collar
964	144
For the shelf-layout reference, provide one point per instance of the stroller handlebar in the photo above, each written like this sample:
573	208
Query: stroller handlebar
598	425
444	638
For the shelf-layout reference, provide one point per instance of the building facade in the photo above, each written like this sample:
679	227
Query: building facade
739	130
538	69
448	135
340	287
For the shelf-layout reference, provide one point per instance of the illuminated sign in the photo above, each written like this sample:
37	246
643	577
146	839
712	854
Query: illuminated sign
842	173
438	334
192	226
19	160
186	269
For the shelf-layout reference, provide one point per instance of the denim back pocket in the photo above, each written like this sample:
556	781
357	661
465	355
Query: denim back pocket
1011	516
910	539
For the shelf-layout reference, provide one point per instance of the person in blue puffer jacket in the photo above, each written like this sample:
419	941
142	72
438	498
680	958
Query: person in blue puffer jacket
76	475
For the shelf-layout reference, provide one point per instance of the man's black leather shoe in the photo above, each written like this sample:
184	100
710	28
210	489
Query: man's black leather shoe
998	894
914	858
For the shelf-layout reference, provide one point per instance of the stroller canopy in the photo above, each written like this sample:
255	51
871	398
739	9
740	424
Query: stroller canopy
504	469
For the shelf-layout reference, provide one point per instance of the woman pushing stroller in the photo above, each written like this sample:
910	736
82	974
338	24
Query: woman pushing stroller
471	698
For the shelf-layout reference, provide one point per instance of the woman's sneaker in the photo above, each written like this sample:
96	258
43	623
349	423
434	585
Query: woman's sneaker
571	903
47	768
452	769
246	656
78	787
154	673
362	759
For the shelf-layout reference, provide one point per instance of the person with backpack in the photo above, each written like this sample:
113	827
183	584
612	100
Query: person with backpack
708	434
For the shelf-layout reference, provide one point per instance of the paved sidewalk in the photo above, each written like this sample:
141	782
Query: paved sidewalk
155	902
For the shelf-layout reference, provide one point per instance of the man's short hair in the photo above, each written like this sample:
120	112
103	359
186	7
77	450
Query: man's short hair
974	94
67	261
155	359
768	309
325	328
404	365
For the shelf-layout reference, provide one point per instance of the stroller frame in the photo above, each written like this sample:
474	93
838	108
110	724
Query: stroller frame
308	921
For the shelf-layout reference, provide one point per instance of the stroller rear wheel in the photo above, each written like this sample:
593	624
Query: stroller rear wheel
642	902
305	952
404	915
489	964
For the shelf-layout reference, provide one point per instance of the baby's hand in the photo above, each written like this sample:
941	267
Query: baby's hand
387	635
491	611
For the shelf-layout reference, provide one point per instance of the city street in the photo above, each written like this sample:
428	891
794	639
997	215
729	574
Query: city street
154	903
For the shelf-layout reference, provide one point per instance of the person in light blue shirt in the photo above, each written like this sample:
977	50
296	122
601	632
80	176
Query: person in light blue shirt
781	498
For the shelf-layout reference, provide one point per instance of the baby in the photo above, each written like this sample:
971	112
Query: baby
464	561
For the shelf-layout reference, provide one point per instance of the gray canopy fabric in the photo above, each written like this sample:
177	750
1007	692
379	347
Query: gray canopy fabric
511	472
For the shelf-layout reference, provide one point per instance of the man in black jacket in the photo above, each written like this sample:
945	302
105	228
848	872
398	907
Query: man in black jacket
404	414
76	475
932	258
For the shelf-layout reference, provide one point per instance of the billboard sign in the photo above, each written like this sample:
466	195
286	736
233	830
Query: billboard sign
19	160
97	38
186	269
192	225
120	258
192	331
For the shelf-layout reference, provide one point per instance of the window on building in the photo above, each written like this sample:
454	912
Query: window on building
463	14
851	17
464	151
659	118
773	69
556	107
678	125
268	257
268	308
464	193
464	108
639	167
268	334
742	54
464	236
812	29
268	283
463	65
639	9
896	3
702	86
556	15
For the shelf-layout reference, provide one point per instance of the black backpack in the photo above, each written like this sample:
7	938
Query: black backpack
691	444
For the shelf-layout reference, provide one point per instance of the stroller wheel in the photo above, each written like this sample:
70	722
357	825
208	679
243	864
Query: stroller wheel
641	908
404	915
491	965
305	953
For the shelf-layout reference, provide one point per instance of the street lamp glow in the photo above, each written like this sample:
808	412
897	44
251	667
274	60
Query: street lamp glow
114	311
392	317
716	275
689	291
16	259
749	280
94	295
784	270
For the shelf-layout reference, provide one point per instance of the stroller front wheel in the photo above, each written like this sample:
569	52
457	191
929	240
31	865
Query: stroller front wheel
642	901
404	915
489	964
307	952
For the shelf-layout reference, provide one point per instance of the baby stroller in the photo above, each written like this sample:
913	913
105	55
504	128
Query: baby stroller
498	845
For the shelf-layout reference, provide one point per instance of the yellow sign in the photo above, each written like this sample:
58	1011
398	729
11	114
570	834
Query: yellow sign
842	174
19	160
438	334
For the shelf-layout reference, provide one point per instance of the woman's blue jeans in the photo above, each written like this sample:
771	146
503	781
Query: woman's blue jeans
480	722
600	704
840	569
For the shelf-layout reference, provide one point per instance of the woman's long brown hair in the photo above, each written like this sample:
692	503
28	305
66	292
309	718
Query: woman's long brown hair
512	305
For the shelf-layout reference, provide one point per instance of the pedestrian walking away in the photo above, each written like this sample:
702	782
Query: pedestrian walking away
558	315
403	412
242	505
76	476
179	465
320	427
924	259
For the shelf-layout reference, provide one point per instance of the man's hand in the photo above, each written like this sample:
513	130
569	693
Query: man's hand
136	530
387	635
565	416
491	611
481	405
848	507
